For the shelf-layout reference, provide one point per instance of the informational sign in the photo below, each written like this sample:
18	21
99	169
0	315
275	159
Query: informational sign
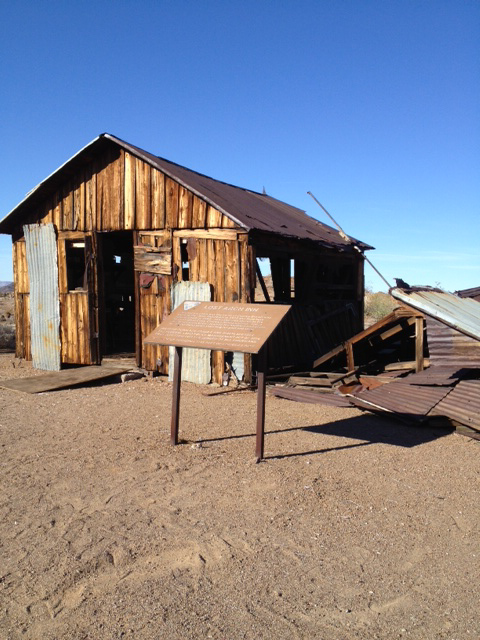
221	326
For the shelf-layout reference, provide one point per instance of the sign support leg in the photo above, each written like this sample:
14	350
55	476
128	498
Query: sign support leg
177	377
261	389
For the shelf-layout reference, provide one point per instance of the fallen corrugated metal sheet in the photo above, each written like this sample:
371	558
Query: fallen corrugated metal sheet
438	376
449	347
41	251
311	397
195	362
460	313
406	400
462	404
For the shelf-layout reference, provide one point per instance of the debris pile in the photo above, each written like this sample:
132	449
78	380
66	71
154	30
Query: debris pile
421	363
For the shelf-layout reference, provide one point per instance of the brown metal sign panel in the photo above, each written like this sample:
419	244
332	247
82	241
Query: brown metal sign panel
222	326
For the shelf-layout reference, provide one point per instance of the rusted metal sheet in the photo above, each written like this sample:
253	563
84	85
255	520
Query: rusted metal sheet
462	404
462	314
407	400
311	397
195	362
41	249
438	376
449	347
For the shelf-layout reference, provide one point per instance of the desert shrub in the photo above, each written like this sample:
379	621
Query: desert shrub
7	336
378	305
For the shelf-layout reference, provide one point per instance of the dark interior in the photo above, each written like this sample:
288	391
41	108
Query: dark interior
118	335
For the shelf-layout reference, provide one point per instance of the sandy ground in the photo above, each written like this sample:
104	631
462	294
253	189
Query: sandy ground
354	527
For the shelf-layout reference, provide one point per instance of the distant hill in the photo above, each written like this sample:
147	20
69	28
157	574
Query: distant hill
6	287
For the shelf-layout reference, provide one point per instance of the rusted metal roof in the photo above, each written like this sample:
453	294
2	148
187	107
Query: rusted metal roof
251	210
462	314
462	404
410	400
474	292
449	347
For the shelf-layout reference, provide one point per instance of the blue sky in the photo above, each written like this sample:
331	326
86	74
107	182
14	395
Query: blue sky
372	105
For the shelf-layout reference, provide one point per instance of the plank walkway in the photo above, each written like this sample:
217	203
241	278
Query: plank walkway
64	378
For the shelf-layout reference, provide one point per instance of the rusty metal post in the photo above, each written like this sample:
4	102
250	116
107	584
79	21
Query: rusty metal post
177	376
261	392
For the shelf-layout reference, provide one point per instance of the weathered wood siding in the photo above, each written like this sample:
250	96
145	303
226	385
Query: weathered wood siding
118	191
22	301
219	257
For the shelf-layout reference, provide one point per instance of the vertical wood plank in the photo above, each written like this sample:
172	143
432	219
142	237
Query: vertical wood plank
171	203
158	199
56	217
220	269
27	331
202	260
143	213
117	217
78	218
214	218
67	206
199	213
185	208
230	270
63	328
194	262
244	270
62	266
227	223
129	197
90	199
19	326
177	258
99	201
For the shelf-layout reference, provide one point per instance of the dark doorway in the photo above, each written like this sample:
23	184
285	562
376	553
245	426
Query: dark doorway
117	325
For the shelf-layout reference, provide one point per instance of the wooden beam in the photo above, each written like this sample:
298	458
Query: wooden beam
209	234
262	281
419	361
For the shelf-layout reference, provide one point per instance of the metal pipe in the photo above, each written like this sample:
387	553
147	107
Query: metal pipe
348	239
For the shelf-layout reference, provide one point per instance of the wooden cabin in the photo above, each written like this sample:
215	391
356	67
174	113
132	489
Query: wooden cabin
98	245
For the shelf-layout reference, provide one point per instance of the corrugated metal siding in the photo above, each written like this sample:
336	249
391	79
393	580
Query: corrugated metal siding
460	313
41	248
195	362
462	404
449	347
411	400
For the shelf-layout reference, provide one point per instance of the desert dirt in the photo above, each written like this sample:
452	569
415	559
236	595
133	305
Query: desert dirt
353	527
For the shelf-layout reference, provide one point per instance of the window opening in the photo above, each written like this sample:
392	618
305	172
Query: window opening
75	258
